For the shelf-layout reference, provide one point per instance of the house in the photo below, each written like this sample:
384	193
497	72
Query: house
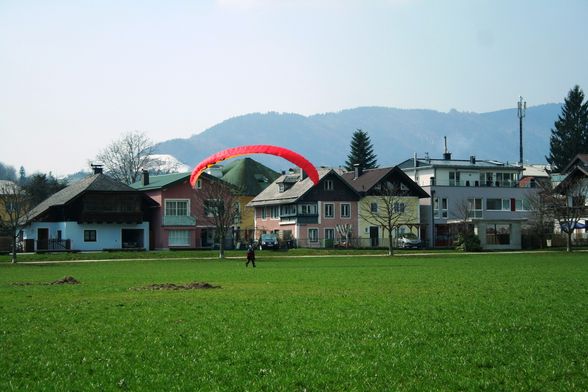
249	178
95	213
295	209
573	186
389	198
482	195
534	176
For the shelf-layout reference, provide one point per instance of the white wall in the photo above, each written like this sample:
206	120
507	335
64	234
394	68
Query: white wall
108	236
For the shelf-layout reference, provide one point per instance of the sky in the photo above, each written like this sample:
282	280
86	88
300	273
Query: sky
75	75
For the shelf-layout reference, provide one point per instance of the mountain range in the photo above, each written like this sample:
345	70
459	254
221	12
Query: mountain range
396	134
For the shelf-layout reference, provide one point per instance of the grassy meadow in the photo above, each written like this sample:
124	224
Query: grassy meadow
496	322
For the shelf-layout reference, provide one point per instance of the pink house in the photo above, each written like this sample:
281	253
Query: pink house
179	220
321	215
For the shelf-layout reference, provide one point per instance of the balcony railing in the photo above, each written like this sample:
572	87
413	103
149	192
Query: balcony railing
179	220
478	183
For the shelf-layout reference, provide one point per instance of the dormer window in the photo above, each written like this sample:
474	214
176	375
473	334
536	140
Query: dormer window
281	187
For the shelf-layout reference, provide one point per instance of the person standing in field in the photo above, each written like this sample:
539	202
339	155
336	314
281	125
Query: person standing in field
250	256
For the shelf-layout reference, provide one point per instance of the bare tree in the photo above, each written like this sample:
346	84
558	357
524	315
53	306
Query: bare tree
466	239
568	202
125	158
221	209
388	209
14	209
463	212
542	210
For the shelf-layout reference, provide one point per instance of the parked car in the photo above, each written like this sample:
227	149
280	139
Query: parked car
409	240
268	241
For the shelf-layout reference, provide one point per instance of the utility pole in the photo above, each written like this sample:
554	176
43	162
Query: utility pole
522	106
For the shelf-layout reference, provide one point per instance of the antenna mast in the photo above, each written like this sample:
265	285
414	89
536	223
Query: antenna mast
522	108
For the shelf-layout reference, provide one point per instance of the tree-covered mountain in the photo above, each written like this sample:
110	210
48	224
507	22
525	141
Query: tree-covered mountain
396	135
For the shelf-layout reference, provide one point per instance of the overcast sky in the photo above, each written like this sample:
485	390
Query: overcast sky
74	75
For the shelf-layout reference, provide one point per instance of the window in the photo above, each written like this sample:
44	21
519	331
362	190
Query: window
329	210
522	205
454	179
345	210
176	207
399	208
289	210
498	234
329	234
474	208
89	235
199	184
374	208
178	238
329	185
440	207
237	207
308	209
313	235
275	212
263	213
498	204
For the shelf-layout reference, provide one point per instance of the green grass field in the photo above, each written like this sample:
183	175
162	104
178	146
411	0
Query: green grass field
446	322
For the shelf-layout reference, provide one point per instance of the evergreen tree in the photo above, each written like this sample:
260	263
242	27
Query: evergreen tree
40	186
362	152
22	176
569	136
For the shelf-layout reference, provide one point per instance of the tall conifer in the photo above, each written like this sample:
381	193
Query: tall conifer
362	152
569	136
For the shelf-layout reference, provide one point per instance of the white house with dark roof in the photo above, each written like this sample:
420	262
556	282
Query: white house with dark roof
484	194
95	213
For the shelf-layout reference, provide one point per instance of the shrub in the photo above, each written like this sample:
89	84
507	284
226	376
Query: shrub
468	242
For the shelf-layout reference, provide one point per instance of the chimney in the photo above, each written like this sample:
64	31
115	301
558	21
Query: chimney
145	177
302	175
473	159
96	168
358	171
446	153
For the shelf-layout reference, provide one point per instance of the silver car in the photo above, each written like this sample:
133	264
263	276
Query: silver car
409	240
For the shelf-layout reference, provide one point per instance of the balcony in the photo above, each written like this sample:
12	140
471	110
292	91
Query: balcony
179	220
477	183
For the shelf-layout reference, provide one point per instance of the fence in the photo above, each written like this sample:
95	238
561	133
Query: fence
342	243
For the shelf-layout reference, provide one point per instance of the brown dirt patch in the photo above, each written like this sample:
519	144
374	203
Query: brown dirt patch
173	286
64	280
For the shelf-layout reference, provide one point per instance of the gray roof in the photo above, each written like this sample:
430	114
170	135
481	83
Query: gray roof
457	163
370	177
94	183
272	195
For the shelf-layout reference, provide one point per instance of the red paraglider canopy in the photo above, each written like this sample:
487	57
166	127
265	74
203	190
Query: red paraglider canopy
290	155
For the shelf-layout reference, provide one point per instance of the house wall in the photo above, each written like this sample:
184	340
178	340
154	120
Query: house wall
182	191
108	236
457	196
410	219
300	230
515	235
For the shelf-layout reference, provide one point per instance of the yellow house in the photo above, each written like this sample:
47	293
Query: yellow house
389	205
249	177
